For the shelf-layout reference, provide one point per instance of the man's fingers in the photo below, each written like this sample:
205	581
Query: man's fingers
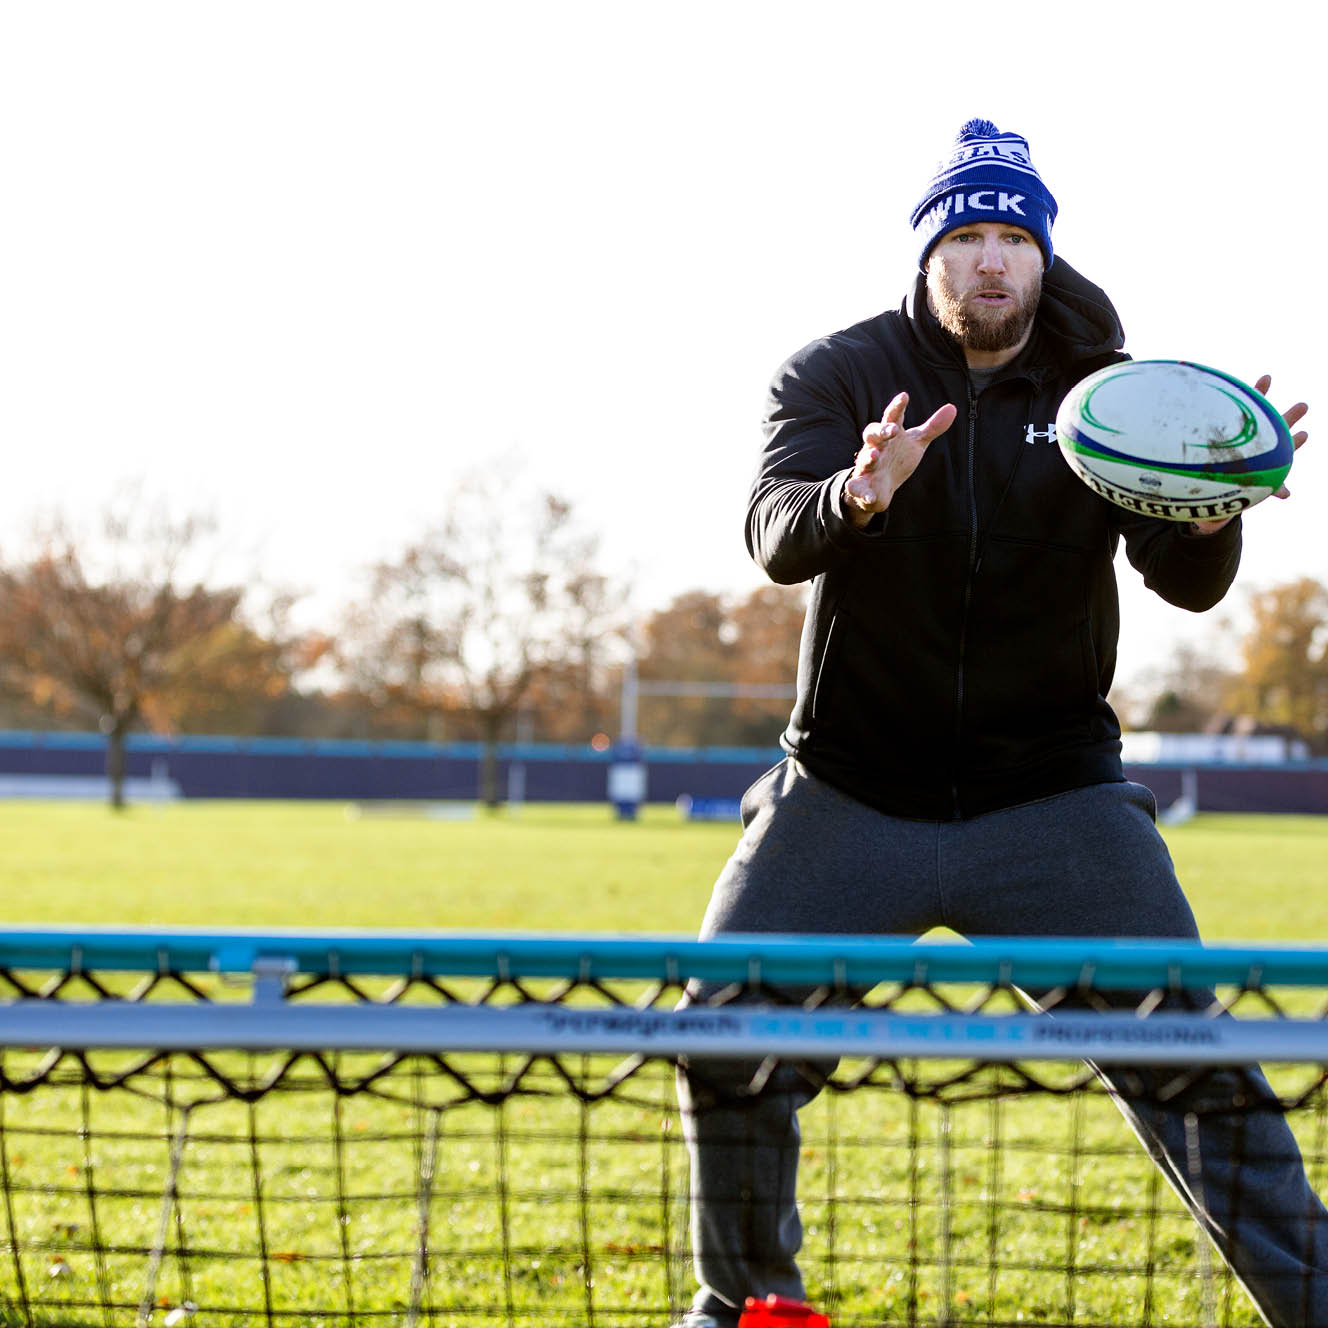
860	487
1293	416
937	425
894	412
889	454
875	434
1299	439
892	425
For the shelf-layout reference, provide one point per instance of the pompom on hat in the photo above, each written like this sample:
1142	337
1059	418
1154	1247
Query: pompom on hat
988	176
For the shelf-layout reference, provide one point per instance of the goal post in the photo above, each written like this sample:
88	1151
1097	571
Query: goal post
627	775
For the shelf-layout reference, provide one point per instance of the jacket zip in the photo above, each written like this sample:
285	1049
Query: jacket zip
968	590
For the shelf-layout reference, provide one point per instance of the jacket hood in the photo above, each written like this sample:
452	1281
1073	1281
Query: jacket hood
1075	318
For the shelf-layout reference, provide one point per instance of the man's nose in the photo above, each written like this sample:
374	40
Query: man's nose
992	258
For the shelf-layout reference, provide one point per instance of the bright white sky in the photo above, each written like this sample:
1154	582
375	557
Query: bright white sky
305	262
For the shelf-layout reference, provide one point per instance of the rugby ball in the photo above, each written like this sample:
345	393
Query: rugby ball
1175	440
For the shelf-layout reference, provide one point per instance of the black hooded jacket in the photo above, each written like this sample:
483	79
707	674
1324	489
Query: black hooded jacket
958	651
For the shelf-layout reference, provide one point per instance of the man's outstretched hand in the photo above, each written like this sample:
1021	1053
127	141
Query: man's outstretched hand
1292	417
890	454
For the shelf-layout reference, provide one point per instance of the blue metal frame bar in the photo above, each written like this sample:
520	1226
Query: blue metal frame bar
700	1032
1105	964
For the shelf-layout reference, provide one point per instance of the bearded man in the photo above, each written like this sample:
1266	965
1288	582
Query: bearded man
952	756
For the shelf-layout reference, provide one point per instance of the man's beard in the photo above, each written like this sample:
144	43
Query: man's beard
976	328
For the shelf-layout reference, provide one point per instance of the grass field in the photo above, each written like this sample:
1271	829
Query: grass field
313	1197
551	868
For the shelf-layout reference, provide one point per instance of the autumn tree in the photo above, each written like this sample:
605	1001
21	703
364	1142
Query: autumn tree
1191	693
571	702
496	601
767	627
709	639
1283	679
690	640
118	626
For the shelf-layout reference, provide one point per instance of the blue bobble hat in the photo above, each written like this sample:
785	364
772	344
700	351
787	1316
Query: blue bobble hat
988	176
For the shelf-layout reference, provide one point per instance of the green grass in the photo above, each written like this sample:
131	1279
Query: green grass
288	864
550	868
339	1176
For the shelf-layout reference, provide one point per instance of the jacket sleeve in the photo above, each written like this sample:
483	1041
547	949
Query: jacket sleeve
796	525
1190	571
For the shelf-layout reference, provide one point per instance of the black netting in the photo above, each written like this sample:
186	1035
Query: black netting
223	1187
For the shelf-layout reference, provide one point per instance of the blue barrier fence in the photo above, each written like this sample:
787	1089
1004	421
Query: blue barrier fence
211	767
214	767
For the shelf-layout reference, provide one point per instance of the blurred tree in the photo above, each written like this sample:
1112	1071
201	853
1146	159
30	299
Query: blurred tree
706	638
238	679
570	703
502	597
1277	677
1182	711
689	640
113	626
1190	693
1283	681
768	632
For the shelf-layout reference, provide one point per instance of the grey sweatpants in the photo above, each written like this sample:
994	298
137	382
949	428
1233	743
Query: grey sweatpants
1088	862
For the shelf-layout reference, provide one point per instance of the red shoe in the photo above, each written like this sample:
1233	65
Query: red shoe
780	1312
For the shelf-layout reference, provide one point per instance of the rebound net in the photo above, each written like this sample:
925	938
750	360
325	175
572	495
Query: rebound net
233	1129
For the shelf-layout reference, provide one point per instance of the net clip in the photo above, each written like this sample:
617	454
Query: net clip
270	975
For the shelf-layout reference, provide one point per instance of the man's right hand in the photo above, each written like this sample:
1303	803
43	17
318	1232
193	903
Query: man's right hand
890	454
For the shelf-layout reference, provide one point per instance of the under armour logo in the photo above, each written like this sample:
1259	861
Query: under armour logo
1031	435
